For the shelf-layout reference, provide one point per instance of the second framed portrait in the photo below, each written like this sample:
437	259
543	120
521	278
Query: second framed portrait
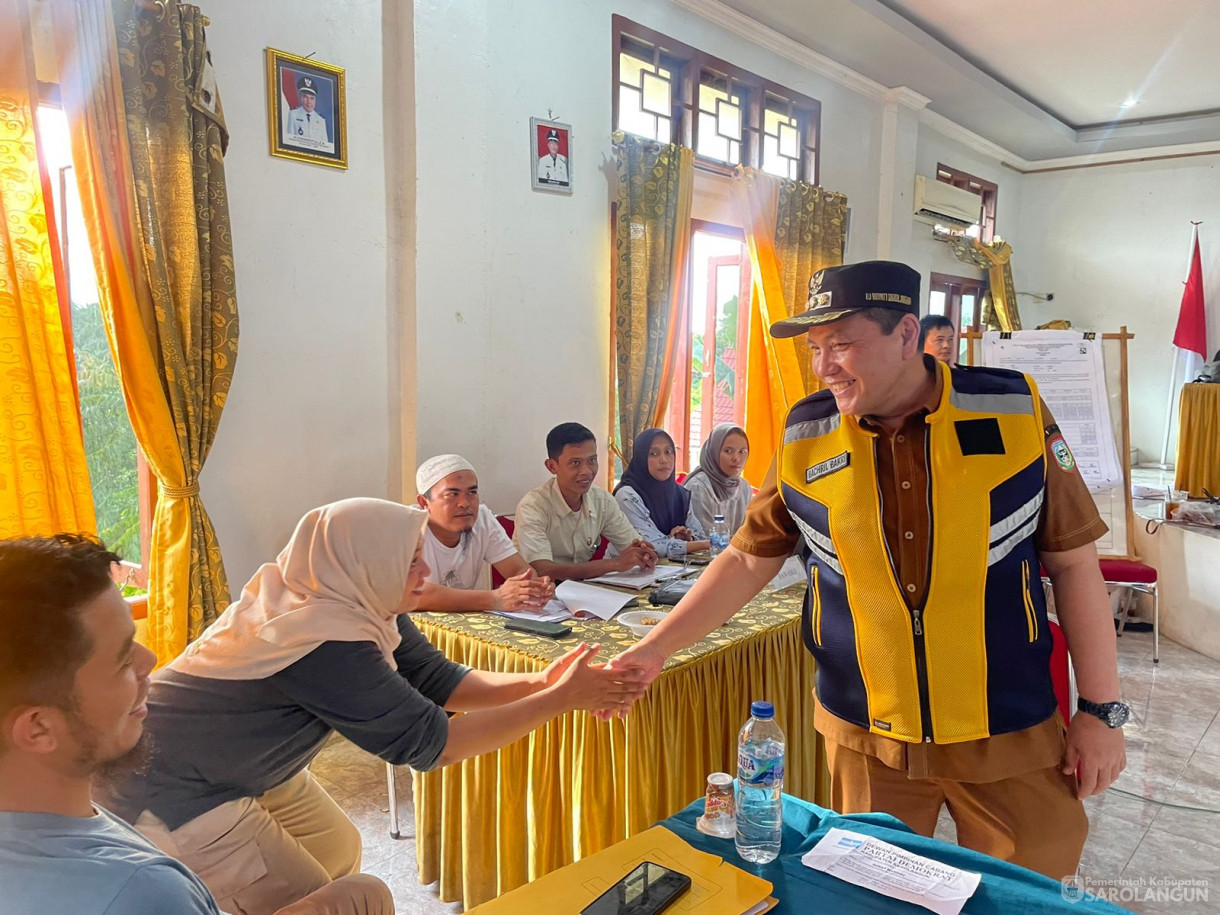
306	109
550	156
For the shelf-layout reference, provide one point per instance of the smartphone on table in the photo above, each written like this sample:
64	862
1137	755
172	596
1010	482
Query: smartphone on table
538	627
647	890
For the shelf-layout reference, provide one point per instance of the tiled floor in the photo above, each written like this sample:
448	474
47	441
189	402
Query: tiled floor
1173	762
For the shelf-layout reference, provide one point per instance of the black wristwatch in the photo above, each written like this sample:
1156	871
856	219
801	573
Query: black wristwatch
1114	714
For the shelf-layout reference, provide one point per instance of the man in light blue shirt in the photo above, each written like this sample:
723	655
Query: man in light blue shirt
73	689
50	862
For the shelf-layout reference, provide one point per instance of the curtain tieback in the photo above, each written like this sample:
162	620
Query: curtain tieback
179	492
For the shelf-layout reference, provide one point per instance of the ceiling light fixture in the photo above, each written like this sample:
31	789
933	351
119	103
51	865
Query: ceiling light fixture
1129	102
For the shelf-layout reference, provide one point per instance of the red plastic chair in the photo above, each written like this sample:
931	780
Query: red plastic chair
510	526
1061	672
1135	578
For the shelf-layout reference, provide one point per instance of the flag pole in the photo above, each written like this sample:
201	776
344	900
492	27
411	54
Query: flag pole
1177	355
1169	401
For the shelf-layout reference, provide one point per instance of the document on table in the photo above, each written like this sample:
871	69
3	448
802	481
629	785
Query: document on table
575	598
638	579
1071	376
791	572
553	612
892	871
580	597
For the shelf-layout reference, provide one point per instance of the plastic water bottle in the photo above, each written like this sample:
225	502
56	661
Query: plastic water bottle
760	782
718	537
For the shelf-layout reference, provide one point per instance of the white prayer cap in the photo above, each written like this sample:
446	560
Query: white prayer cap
435	469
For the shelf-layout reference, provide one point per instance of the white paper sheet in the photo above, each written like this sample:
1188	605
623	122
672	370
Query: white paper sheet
1071	377
892	871
580	597
638	578
553	611
790	573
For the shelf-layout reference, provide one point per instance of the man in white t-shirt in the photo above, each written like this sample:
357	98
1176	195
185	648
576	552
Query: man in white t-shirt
461	538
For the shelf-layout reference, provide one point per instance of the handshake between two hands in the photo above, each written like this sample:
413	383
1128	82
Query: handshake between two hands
607	690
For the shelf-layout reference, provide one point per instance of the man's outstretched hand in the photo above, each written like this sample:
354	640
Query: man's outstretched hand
644	662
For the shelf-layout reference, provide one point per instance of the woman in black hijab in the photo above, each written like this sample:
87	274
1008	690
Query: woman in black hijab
656	505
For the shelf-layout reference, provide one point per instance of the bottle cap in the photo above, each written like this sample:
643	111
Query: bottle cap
762	710
718	518
720	779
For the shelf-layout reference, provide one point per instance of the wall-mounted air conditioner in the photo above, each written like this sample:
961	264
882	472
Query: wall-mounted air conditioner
938	202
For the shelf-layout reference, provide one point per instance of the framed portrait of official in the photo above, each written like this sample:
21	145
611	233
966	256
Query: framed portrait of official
550	156
306	110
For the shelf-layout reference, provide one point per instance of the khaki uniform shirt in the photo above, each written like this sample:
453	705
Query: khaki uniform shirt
546	528
1069	519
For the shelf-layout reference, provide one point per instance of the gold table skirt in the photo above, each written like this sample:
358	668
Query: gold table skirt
577	785
1198	465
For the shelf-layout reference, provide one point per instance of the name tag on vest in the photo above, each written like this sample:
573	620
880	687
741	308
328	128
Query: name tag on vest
830	466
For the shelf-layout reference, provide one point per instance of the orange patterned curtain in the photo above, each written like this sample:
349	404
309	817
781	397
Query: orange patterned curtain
44	481
652	235
793	230
148	141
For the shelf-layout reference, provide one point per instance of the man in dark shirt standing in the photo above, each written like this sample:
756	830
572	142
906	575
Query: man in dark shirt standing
928	496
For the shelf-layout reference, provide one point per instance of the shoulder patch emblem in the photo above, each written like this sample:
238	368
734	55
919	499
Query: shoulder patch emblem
838	462
1063	454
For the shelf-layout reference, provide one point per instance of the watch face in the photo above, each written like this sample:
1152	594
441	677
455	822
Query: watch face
1117	714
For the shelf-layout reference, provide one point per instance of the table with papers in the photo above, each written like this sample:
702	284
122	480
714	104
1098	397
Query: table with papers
1003	888
578	785
861	863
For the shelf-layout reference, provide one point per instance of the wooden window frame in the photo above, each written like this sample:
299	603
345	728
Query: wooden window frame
688	64
954	287
677	415
988	192
130	572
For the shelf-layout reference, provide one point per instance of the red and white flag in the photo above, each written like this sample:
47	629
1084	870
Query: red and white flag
1191	332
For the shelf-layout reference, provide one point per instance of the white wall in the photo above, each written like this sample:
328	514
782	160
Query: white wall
1111	242
513	285
308	416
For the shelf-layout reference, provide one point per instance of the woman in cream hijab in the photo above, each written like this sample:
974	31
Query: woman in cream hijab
716	486
321	641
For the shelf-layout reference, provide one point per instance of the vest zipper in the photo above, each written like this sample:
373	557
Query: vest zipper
921	660
1031	617
817	608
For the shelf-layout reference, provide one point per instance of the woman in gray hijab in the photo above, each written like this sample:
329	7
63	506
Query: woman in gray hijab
716	486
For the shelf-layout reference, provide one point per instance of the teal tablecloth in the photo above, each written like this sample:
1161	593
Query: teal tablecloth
1004	889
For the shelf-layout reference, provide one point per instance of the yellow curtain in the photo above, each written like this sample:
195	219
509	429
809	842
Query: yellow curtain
148	141
44	481
793	230
652	236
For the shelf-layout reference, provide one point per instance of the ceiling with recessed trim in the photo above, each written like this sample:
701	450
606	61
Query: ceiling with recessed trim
1043	78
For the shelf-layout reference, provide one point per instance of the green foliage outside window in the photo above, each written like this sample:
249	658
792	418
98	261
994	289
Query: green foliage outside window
725	375
110	445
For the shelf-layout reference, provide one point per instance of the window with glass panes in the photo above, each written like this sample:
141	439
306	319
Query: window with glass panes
645	96
673	93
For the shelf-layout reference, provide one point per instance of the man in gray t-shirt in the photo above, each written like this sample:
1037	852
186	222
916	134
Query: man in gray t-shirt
73	690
